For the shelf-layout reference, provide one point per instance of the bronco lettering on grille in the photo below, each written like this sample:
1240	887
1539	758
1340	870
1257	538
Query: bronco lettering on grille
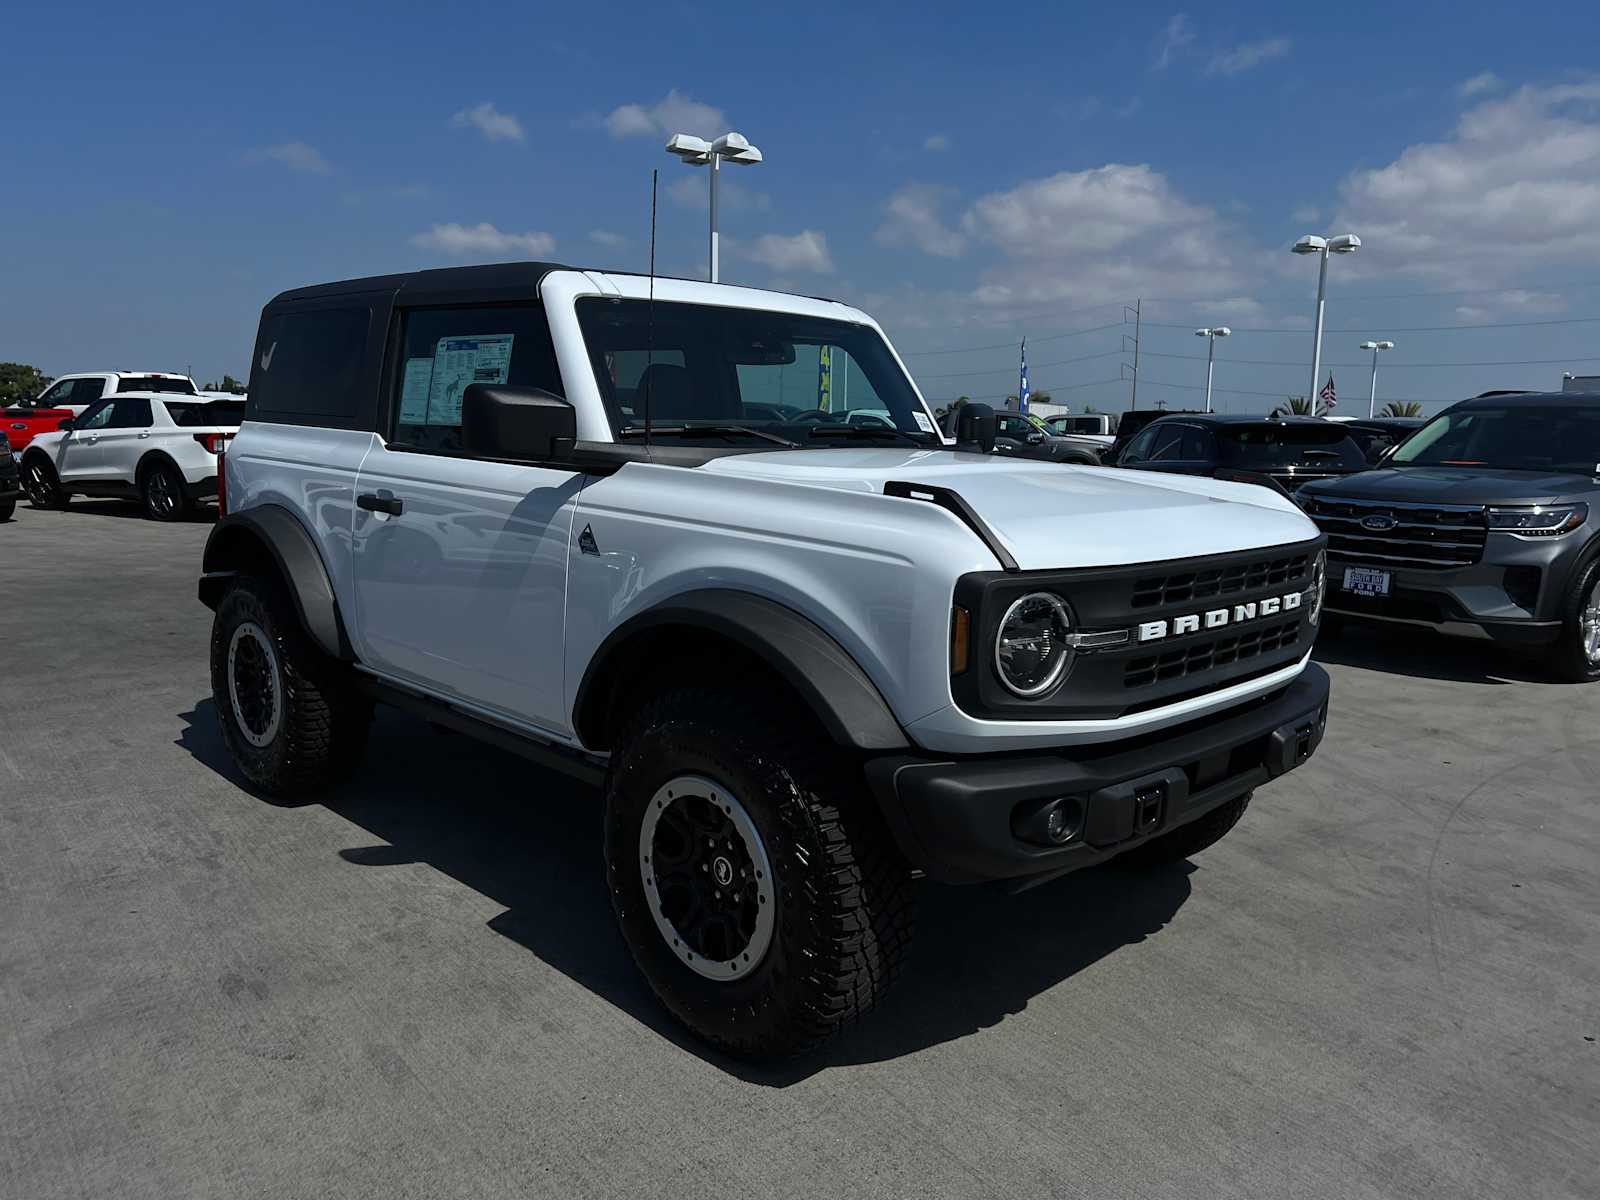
1216	618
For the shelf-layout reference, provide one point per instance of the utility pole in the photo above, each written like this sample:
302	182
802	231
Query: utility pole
1138	320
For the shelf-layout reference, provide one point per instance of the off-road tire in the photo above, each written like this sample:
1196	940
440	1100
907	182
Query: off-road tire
843	895
7	509
1566	658
164	493
322	726
39	481
1186	840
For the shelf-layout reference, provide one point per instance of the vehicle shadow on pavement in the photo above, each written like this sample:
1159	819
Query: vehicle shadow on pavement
529	839
133	509
1424	654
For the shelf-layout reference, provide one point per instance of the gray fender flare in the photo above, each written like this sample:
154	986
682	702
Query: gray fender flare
236	547
837	690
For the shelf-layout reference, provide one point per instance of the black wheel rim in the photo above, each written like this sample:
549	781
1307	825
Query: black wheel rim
707	878
160	494
254	686
36	485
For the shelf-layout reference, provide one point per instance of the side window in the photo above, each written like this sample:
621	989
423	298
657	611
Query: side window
1168	445
444	350
57	393
1197	445
131	412
98	417
1138	450
87	391
309	363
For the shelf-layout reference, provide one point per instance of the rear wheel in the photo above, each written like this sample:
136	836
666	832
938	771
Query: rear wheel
1576	653
40	483
752	877
166	497
291	716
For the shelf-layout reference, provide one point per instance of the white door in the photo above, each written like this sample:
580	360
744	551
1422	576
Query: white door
460	564
78	457
126	437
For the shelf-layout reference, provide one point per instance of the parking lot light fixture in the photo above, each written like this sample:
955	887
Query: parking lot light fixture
1211	334
697	152
1344	243
1372	396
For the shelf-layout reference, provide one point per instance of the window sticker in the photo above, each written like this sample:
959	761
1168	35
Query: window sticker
922	420
414	391
461	361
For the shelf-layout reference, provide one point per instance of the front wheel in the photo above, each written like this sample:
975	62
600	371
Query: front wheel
40	483
166	497
290	715
753	880
1576	654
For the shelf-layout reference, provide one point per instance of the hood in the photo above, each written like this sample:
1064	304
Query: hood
1457	485
1052	515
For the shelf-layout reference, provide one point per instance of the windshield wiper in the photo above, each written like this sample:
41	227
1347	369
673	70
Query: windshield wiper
862	431
639	431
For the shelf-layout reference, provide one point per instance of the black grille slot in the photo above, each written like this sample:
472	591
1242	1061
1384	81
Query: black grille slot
1391	533
1190	657
1223	580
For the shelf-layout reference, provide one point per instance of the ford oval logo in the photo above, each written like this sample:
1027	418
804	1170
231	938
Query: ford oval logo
1379	522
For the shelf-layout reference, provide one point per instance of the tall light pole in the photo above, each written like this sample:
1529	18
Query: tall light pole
1372	397
697	152
1344	243
1211	336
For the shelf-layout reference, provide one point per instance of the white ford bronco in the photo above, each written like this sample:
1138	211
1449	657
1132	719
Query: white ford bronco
705	546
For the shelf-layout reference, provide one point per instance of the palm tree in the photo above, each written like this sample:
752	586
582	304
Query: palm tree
1401	408
1294	406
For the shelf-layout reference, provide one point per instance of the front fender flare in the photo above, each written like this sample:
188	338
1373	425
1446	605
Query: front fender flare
822	673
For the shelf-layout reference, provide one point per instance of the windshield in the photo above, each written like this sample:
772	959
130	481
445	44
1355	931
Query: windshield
1270	444
155	383
1517	437
797	378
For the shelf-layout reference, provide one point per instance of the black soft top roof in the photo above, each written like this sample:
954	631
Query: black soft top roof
490	279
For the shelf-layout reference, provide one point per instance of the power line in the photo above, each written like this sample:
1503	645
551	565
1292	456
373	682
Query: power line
1060	362
1052	337
1392	328
1393	366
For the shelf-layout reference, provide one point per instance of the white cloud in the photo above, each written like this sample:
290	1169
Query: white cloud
1247	55
604	237
673	113
297	156
689	191
482	240
1516	187
803	251
936	143
1175	38
488	120
1479	85
913	220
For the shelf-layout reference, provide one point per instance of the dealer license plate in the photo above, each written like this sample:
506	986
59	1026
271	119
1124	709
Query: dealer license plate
1364	581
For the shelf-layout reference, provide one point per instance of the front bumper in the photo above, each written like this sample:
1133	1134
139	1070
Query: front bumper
953	817
1511	596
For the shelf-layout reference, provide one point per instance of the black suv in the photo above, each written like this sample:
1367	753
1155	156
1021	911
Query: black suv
10	484
1485	522
1287	451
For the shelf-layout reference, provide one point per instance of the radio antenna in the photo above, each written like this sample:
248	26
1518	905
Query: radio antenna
650	316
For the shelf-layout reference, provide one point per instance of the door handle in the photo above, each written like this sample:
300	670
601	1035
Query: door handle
381	502
144	435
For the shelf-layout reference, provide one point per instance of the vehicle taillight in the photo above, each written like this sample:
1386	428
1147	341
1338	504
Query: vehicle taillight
214	442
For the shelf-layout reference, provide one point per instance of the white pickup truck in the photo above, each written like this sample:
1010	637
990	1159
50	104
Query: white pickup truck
605	522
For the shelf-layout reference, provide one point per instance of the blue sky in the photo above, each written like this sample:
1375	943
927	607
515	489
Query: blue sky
967	174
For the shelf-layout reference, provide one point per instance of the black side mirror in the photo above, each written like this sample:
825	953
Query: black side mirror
520	423
66	424
1035	438
977	423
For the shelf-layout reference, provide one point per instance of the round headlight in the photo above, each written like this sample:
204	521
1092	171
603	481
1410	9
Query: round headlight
1031	651
1319	584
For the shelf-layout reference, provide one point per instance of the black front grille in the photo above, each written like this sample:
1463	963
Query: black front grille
1225	579
1400	534
1190	657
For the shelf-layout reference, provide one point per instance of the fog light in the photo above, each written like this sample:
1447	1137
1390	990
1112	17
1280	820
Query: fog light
1052	822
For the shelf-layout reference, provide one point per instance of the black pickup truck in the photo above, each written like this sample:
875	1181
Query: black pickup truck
10	481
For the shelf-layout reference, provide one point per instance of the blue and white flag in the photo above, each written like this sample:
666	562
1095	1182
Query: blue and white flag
1022	393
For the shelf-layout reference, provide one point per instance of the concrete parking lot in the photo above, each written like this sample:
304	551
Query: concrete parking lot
1385	982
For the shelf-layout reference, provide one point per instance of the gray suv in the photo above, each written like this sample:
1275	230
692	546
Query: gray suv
1484	523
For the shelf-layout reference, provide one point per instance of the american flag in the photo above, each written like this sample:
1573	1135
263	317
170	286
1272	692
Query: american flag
1330	395
1022	392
